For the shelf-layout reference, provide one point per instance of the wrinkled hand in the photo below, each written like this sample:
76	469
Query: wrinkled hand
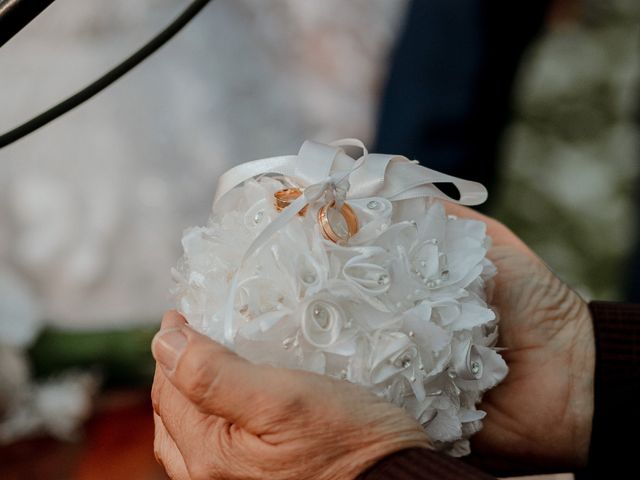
541	414
219	416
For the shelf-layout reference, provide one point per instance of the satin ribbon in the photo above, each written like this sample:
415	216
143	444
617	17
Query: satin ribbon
327	171
390	176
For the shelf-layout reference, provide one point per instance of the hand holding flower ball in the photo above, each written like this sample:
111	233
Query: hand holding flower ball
541	414
352	269
218	416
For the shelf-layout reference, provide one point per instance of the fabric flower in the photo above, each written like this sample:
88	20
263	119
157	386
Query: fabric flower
401	308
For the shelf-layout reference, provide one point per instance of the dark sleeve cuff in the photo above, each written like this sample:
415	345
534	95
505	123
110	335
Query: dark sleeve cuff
422	464
617	334
616	417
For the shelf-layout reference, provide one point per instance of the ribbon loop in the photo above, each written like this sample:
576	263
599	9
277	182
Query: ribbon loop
405	179
390	176
315	162
350	142
326	170
368	180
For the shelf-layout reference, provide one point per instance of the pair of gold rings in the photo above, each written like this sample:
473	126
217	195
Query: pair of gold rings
337	228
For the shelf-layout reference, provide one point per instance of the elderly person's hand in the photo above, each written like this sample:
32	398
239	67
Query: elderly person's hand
219	416
540	416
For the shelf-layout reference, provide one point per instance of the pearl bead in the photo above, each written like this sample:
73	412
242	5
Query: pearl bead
403	362
321	316
373	205
383	279
309	279
257	218
475	367
287	342
412	334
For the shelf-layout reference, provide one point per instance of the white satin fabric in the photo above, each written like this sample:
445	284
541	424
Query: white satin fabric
389	176
400	308
325	169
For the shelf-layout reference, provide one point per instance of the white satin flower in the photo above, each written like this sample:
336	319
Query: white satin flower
321	322
311	275
393	353
401	308
367	272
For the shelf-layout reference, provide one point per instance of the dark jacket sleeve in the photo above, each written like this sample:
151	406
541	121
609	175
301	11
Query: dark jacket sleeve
616	417
422	464
616	420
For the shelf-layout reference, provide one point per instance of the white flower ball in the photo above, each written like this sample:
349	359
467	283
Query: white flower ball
399	308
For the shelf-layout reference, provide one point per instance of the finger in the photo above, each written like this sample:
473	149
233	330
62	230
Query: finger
167	453
187	425
500	233
215	379
158	386
172	319
182	418
198	436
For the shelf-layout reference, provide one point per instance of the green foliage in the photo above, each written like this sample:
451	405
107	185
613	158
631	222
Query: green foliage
121	357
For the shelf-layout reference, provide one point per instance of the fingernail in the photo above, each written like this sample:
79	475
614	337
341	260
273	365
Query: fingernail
167	346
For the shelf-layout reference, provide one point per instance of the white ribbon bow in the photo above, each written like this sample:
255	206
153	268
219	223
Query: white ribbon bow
321	169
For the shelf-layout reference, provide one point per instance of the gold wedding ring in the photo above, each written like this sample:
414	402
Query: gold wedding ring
349	228
286	196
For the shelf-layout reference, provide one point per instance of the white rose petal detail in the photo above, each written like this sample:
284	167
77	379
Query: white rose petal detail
321	323
394	353
400	307
372	279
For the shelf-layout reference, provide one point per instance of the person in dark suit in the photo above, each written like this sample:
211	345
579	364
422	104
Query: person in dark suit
568	402
450	82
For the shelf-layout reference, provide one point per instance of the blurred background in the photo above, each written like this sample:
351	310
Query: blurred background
538	99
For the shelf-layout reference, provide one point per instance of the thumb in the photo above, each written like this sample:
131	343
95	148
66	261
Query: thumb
212	377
